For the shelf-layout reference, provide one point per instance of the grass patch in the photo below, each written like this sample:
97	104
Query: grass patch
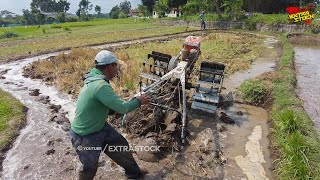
293	134
9	34
12	118
254	91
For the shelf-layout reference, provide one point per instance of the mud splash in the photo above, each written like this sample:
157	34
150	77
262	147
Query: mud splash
307	64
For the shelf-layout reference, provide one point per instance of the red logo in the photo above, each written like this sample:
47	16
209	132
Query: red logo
296	14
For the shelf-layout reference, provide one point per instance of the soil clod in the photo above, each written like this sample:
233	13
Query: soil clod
226	119
143	154
34	92
50	152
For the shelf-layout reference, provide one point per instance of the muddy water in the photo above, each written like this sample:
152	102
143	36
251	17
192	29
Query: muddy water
259	66
27	158
307	63
246	144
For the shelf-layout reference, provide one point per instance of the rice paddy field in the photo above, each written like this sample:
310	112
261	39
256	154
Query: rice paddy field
292	134
34	40
235	50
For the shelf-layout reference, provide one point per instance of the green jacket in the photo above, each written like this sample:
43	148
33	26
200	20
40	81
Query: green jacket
95	100
202	17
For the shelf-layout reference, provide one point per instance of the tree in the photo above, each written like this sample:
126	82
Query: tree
6	14
143	11
50	5
84	7
28	16
149	4
98	9
125	6
115	11
191	8
122	15
176	4
233	8
161	7
63	5
61	17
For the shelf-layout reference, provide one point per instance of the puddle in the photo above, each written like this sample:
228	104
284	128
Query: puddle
307	64
246	143
259	66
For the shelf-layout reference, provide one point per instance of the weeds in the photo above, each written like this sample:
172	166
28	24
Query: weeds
9	34
315	28
11	117
56	26
293	133
254	91
67	28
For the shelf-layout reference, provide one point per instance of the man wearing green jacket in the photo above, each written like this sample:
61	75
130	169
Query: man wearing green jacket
202	19
90	133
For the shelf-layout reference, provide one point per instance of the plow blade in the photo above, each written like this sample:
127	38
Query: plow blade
210	108
208	87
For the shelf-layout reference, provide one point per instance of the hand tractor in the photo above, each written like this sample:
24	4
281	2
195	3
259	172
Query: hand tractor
169	76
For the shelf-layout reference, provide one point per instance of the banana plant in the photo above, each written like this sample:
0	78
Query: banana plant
233	8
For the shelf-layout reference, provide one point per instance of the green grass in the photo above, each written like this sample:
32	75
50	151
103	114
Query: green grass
8	34
293	134
254	91
269	19
11	118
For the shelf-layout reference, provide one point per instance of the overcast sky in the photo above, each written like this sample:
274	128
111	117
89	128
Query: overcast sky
16	6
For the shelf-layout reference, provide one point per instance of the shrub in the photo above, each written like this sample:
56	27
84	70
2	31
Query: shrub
67	28
72	19
61	17
253	91
9	34
122	15
56	26
315	29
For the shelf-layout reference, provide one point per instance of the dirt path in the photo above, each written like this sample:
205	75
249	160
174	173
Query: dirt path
216	150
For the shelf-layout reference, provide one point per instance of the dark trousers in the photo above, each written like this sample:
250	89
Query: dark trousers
203	25
90	146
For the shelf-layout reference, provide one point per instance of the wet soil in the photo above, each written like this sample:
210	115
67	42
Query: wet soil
216	150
